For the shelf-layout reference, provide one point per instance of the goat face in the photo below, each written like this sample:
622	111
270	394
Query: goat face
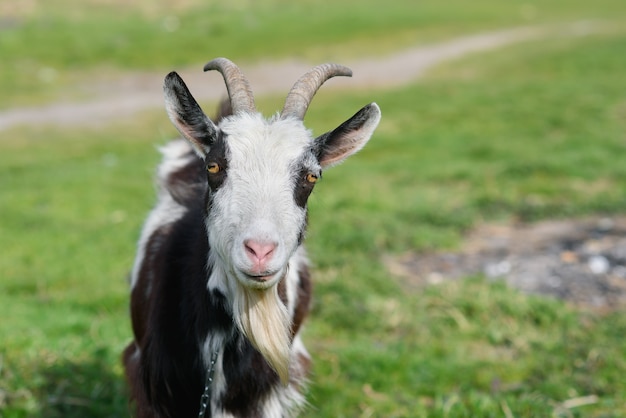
260	174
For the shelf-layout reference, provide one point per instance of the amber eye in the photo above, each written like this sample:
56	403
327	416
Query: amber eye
213	168
311	178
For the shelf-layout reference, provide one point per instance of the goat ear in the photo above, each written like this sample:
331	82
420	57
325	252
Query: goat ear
335	146
187	116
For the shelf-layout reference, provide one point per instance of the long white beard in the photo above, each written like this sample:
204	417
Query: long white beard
264	319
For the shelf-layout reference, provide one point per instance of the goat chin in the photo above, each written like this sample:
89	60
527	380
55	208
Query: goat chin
263	318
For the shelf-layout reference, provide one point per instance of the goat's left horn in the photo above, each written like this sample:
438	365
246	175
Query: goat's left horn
302	92
239	91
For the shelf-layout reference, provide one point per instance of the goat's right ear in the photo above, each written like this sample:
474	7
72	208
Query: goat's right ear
187	116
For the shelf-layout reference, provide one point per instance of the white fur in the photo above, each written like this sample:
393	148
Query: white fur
256	200
291	280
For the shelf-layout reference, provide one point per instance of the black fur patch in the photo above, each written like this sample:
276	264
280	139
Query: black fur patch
219	155
188	112
303	187
176	318
187	183
248	377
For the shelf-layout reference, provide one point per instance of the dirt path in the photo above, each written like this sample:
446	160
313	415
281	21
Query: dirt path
582	261
140	91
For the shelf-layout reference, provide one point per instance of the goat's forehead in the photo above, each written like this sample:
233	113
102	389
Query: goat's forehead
278	142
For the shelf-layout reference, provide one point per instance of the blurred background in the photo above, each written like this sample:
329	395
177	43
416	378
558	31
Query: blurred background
470	261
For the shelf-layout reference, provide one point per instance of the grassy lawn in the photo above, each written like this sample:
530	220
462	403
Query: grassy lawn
55	50
531	132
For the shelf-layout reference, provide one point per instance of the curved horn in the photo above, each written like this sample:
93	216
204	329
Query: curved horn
302	92
239	91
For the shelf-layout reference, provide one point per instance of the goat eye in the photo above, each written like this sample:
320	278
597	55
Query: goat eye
311	178
213	168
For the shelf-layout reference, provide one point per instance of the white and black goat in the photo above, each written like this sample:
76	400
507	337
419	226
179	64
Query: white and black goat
220	284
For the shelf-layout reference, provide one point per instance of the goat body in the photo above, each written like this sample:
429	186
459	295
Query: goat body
220	269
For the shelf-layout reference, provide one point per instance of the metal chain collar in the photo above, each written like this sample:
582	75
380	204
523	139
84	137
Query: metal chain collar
206	395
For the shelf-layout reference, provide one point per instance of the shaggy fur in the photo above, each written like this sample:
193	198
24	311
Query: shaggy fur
220	266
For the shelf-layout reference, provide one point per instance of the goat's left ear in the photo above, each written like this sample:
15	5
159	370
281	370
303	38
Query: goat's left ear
187	116
335	146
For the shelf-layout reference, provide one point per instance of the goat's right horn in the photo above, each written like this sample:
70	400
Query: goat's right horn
239	91
302	92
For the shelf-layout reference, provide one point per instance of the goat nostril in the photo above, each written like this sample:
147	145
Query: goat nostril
259	250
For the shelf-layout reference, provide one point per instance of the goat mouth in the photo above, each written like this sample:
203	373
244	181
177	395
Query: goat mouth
260	277
260	281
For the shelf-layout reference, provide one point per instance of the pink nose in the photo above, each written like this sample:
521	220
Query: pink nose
259	252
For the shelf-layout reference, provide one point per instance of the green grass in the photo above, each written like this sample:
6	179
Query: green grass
57	50
543	140
531	132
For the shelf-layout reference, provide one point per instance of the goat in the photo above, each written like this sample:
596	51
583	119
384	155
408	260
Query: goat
220	285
